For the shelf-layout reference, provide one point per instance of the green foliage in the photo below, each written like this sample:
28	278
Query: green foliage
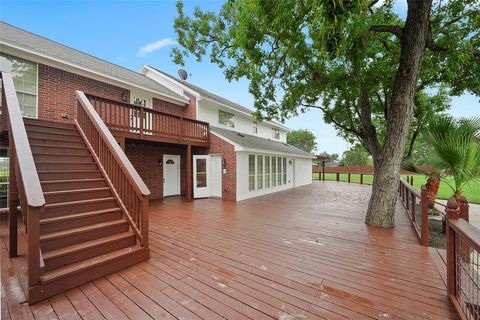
330	55
303	139
456	149
356	155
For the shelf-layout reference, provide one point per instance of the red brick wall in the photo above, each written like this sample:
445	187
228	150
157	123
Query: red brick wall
229	180
145	159
56	92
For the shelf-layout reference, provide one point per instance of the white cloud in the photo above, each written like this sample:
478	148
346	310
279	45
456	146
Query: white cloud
154	46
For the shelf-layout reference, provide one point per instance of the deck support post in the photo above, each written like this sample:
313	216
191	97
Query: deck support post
361	178
188	173
13	201
338	176
452	211
349	177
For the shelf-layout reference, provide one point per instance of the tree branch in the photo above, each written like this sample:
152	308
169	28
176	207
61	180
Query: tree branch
329	115
395	30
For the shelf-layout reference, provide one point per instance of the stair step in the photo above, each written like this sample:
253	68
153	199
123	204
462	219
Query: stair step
54	136
63	143
58	166
48	175
63	158
83	267
54	224
81	251
73	207
58	150
46	123
76	194
52	130
73	184
60	239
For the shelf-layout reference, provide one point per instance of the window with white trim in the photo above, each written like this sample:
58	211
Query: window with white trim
259	172
267	172
276	134
226	118
251	172
255	127
25	79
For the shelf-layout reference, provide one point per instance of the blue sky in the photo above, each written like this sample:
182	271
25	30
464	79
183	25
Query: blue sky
118	30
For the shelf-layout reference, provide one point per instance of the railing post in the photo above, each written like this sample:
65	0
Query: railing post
413	203
33	234
349	177
338	176
424	238
142	116
361	178
464	211
145	221
452	211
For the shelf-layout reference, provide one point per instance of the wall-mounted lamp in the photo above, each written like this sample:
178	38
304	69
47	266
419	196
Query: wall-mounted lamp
290	162
124	97
224	163
160	163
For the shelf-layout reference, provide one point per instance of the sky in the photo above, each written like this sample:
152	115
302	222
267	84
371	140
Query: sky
134	33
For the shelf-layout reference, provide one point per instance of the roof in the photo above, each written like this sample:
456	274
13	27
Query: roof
51	49
212	96
248	141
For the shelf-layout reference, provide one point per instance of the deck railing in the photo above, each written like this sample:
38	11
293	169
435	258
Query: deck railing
463	261
25	188
148	123
416	206
122	176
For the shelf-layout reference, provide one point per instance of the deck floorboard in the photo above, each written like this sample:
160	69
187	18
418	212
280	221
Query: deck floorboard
303	253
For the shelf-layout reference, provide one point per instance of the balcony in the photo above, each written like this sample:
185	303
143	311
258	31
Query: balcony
134	122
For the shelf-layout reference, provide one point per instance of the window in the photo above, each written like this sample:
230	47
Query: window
201	173
284	170
276	134
259	172
251	172
279	171
140	100
254	127
267	171
274	171
4	175
226	118
25	78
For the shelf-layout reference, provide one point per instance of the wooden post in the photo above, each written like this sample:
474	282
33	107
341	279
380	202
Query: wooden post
349	177
323	170
13	200
413	201
464	212
424	236
452	211
33	234
145	223
338	176
361	178
188	173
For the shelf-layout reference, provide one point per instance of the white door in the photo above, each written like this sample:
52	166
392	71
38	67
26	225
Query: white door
171	175
201	177
216	174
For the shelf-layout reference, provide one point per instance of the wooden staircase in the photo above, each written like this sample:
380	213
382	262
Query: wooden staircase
83	231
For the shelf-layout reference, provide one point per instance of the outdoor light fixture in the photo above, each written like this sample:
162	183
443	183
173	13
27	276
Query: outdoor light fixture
290	162
160	162
124	98
224	163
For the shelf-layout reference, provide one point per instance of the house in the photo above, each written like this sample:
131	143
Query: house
90	143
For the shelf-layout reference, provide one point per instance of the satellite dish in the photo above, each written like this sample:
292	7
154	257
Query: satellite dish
182	74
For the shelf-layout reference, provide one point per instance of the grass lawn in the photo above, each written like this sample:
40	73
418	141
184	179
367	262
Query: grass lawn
471	191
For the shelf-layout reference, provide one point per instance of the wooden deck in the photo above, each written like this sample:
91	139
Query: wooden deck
299	254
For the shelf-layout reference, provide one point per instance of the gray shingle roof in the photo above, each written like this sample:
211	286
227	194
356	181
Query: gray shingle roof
252	142
211	95
27	40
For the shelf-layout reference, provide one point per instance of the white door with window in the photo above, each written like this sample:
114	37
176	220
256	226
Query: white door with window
216	174
171	175
201	177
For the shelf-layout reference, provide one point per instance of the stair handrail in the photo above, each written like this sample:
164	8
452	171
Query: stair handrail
133	175
129	188
25	184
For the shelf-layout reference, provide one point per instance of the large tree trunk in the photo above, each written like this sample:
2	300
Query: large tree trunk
387	160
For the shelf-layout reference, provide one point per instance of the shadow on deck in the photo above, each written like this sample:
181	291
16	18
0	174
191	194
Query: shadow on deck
299	254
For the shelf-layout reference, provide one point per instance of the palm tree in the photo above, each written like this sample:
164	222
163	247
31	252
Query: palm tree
456	150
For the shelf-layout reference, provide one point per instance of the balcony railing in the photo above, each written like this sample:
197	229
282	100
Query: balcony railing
138	122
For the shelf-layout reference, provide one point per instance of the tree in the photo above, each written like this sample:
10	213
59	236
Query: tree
357	61
302	139
356	155
332	159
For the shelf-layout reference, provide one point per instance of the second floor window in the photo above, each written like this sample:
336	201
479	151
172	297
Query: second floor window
226	118
255	127
276	134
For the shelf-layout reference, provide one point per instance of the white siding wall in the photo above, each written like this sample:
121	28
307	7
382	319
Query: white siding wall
302	171
208	112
